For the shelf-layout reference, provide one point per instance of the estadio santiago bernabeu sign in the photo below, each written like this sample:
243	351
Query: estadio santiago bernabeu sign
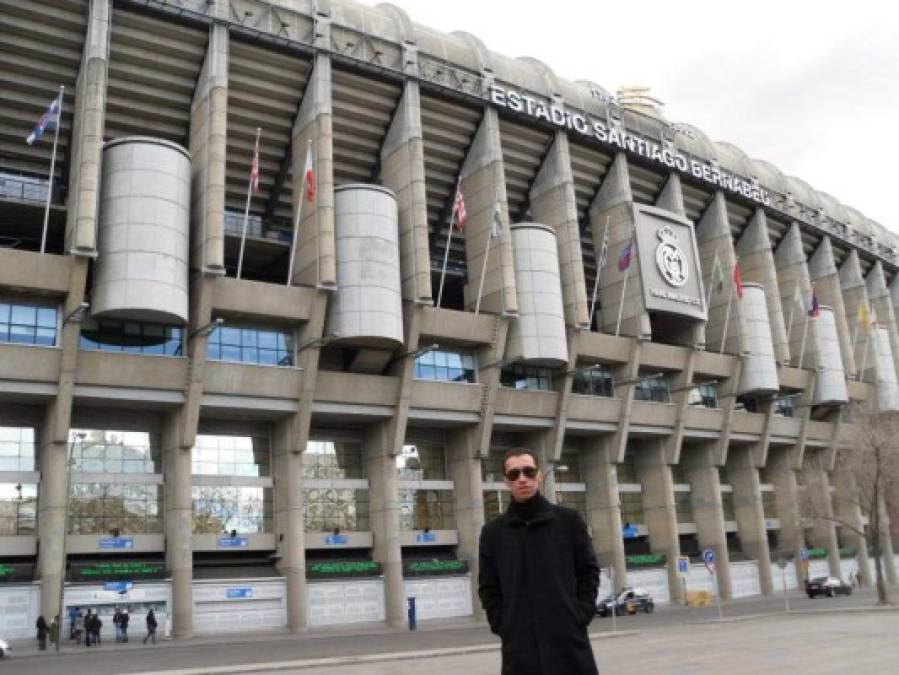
600	130
669	263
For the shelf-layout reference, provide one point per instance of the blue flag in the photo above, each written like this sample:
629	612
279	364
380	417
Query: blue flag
47	120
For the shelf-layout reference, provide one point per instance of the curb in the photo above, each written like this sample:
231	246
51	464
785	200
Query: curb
303	664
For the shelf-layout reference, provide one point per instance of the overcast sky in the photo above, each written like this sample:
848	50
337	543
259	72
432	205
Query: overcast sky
811	87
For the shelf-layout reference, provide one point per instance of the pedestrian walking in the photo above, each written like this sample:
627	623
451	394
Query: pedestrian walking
116	621
98	626
151	626
54	630
43	630
538	578
123	624
88	629
78	626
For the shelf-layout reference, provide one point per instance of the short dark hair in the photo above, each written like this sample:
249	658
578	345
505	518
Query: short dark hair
517	452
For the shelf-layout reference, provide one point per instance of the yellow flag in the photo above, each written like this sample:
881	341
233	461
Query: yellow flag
864	318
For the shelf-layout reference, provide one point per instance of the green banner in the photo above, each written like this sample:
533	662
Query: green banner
646	560
817	553
421	568
342	568
124	570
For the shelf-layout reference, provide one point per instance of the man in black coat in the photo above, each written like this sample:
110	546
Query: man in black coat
538	578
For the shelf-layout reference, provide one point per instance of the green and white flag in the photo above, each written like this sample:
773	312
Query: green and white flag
717	275
497	223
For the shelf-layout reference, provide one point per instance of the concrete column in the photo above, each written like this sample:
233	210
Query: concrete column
403	171
600	474
484	186
207	145
53	439
87	133
793	274
463	458
380	459
886	546
554	203
52	499
744	479
659	509
882	304
824	530
613	210
757	265
849	512
713	238
315	261
671	198
855	301
708	510
787	497
823	274
178	523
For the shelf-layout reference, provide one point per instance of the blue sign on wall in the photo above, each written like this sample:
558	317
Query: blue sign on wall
336	539
709	556
803	553
232	542
117	542
237	593
629	532
425	537
118	586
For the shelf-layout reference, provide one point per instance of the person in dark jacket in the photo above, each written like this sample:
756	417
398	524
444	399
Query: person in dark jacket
151	626
43	630
538	578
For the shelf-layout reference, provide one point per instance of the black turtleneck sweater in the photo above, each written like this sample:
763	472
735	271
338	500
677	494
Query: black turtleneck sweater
527	510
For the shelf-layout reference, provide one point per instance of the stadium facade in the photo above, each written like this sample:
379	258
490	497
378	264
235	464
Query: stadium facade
285	429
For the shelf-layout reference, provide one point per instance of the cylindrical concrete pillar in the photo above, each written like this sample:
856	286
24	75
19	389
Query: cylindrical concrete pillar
144	232
178	526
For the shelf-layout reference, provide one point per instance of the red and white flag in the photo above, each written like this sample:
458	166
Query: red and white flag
459	209
254	168
308	175
738	281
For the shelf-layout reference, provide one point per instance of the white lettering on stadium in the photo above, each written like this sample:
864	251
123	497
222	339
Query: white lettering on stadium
518	102
675	296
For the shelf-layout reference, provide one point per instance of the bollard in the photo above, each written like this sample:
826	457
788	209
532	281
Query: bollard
411	612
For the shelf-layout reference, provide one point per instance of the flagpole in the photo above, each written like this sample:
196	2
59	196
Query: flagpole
246	211
602	261
861	372
477	307
708	296
792	309
730	299
808	319
621	302
52	170
449	240
296	222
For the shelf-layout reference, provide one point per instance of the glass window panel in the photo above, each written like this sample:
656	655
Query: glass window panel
230	336
230	353
268	340
46	317
24	314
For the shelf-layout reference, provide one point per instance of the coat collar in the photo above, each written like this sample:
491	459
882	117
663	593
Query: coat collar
544	512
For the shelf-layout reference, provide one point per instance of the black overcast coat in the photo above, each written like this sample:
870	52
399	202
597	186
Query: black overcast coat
538	581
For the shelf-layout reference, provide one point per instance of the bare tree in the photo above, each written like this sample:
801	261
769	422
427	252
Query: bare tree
866	468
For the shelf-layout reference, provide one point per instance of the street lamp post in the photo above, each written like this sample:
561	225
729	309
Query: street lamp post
77	438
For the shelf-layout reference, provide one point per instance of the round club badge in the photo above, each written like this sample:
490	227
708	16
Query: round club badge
670	259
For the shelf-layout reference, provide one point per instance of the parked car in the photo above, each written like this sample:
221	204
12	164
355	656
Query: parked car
629	601
828	586
4	648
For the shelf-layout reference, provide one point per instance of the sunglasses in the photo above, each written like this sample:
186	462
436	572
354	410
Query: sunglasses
528	471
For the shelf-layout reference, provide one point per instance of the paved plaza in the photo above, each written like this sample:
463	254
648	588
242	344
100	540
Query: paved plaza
842	635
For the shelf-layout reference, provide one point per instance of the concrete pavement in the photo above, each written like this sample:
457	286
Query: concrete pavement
436	643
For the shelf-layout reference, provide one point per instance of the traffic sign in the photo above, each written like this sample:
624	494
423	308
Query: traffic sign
683	566
709	556
803	553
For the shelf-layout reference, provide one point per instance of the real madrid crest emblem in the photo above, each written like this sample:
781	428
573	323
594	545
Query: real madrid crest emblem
670	260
